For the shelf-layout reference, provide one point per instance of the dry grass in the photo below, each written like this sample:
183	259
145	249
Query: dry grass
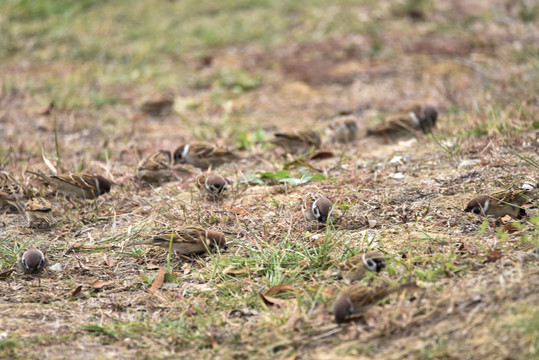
240	70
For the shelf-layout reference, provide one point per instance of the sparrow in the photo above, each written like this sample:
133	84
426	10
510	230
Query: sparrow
356	267
11	191
342	130
155	167
210	184
81	185
188	240
32	261
38	211
316	206
501	203
358	298
417	118
158	106
203	155
297	142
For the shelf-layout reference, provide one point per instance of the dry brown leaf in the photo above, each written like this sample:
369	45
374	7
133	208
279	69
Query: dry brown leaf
510	228
236	210
279	289
98	284
270	301
6	274
76	292
159	279
232	271
321	155
110	262
493	256
46	111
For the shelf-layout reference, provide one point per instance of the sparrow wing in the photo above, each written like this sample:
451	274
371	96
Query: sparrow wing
160	160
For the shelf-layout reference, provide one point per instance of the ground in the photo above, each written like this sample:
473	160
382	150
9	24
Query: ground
238	71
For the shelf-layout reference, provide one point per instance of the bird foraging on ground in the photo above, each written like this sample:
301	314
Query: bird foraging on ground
358	298
11	192
297	142
211	184
356	267
155	167
81	185
316	206
32	261
38	212
342	130
417	118
502	203
188	240
203	155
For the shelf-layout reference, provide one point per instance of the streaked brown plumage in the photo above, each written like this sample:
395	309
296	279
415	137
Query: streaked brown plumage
358	298
502	203
297	142
155	167
356	267
11	192
38	211
417	118
82	185
342	130
188	240
210	184
316	206
32	261
203	155
158	106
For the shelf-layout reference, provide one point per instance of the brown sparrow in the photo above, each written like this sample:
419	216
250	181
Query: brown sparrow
297	142
32	261
81	185
421	118
11	192
38	211
316	206
203	155
210	184
358	298
155	167
158	106
356	267
188	240
501	203
342	130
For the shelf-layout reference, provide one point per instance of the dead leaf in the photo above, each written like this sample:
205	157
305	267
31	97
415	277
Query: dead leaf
76	292
510	228
270	301
232	271
236	210
321	155
46	111
493	256
279	289
110	262
6	274
98	284
159	279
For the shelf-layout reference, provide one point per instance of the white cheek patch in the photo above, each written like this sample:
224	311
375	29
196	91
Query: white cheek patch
415	119
487	206
315	210
185	151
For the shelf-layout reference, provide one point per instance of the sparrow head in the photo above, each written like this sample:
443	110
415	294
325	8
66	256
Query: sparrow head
321	209
478	205
102	184
374	261
342	308
180	154
536	251
428	116
32	261
216	238
215	184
